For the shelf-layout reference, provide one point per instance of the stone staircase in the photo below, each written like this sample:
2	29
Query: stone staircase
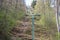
21	29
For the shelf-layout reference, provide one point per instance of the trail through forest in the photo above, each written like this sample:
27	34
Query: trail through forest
21	29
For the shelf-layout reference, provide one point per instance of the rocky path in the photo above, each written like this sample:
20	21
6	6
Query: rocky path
21	29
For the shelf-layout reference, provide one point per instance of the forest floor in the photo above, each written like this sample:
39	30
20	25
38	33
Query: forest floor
23	31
